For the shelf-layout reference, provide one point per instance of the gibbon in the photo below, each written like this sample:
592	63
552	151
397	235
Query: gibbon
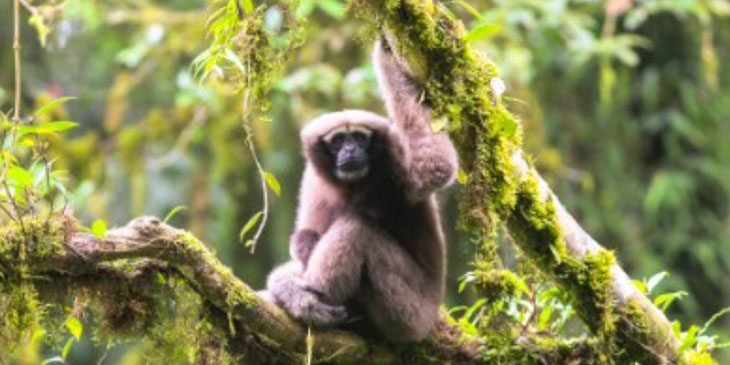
368	237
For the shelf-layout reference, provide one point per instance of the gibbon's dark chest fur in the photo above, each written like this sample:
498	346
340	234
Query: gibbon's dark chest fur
381	201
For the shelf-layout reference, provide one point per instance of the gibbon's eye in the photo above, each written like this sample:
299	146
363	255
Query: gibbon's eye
336	141
360	138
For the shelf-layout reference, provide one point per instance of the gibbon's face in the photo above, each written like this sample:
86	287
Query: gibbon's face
349	146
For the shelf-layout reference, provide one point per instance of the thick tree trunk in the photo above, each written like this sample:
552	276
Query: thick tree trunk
460	85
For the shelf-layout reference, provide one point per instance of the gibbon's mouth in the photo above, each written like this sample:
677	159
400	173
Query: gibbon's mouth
352	174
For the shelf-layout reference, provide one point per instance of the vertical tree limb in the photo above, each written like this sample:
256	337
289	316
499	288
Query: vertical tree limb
456	81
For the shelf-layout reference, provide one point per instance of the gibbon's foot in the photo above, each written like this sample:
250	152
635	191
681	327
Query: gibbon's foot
308	308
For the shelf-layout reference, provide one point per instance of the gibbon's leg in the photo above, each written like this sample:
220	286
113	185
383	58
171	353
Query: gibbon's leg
335	265
400	299
316	294
286	289
430	158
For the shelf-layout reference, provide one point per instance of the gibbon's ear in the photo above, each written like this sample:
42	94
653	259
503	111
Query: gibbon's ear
315	130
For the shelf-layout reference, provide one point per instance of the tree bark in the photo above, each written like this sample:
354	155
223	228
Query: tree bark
458	85
82	260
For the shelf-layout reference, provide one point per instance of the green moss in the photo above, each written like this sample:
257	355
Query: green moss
36	238
457	86
494	285
697	358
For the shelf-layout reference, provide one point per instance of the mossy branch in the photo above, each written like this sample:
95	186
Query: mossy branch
60	262
430	42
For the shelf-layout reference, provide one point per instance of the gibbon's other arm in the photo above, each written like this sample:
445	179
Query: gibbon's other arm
313	217
430	159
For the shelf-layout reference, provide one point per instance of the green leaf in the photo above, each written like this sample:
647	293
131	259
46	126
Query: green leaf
98	228
333	8
481	31
655	280
48	128
75	327
67	349
20	176
249	226
688	339
247	7
234	59
161	279
38	336
543	321
173	212
59	126
507	126
53	105
273	183
640	286
665	300
462	177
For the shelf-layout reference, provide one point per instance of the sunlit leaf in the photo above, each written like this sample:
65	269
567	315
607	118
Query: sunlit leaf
655	280
75	327
250	225
47	128
231	56
462	177
543	321
507	125
39	23
481	31
688	338
640	286
27	142
98	228
67	349
20	176
273	183
333	8
247	7
53	105
38	336
665	300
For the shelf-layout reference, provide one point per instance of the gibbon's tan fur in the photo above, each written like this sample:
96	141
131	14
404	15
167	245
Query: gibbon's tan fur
372	246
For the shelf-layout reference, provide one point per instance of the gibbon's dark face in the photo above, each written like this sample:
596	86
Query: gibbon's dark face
349	148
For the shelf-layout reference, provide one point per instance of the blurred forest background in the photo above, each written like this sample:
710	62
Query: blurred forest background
625	105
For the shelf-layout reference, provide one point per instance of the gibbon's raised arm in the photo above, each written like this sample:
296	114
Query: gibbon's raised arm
430	158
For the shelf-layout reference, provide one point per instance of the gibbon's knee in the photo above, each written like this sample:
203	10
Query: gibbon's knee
334	267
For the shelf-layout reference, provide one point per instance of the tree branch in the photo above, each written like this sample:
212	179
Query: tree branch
82	261
457	85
